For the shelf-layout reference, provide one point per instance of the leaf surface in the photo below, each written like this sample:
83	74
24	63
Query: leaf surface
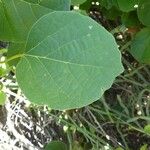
127	5
53	4
69	61
143	12
17	16
108	3
140	47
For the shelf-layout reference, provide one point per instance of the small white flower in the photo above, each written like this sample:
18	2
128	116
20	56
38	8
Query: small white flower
97	3
76	7
136	6
139	112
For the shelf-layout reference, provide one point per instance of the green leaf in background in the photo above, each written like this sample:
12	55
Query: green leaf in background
5	30
140	47
144	12
15	49
147	129
127	5
119	148
77	146
86	6
123	5
2	72
130	19
112	14
18	17
68	61
2	98
108	3
77	2
56	145
144	147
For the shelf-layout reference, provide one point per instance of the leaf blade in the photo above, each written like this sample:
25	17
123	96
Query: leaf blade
67	61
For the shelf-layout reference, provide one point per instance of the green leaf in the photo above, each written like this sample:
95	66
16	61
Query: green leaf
56	145
144	147
68	61
77	2
147	128
143	12
18	17
53	4
140	47
112	14
2	98
123	5
86	6
77	146
127	5
108	3
32	1
15	49
119	148
2	72
130	19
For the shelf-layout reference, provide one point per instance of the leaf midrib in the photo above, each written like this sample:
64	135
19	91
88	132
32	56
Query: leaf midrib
61	61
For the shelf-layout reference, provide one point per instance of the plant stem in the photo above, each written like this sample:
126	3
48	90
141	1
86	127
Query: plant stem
12	58
3	51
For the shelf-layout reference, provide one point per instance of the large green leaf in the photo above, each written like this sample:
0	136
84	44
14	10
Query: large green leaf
68	61
140	47
143	12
